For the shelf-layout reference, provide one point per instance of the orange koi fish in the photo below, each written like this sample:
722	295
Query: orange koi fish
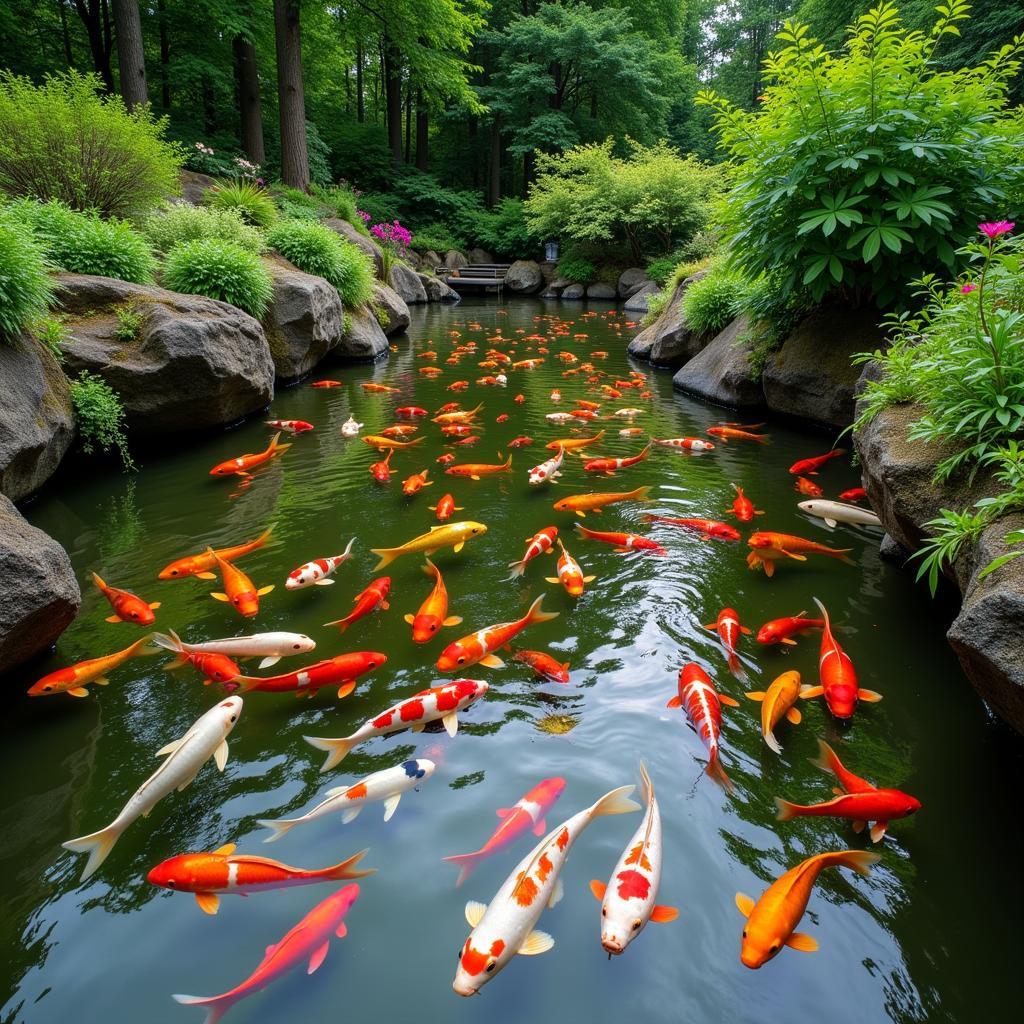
414	484
457	430
127	606
727	434
382	470
742	507
399	430
544	665
458	415
239	591
702	705
708	527
374	596
445	460
810	467
768	547
478	648
539	544
571	444
622	541
433	613
381	443
475	470
609	466
202	564
581	504
854	494
326	384
728	627
379	389
778	702
445	508
780	631
570	575
74	679
244	464
808	487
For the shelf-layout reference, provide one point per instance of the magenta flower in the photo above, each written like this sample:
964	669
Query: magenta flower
968	288
996	229
363	215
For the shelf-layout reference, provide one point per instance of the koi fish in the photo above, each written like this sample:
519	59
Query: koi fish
399	430
547	471
570	575
409	412
127	607
205	738
581	504
290	426
571	444
437	703
810	467
772	919
239	591
853	494
702	705
382	443
727	434
308	940
215	667
382	470
584	403
856	799
271	647
457	430
478	648
609	466
379	389
506	926
539	544
767	547
742	507
780	631
503	418
316	573
414	484
467	442
728	627
387	785
445	508
688	444
326	384
74	679
342	671
448	407
627	414
837	676
559	417
708	527
453	535
446	459
520	442
808	487
350	428
368	600
458	415
632	432
544	665
528	814
583	414
244	464
433	613
622	541
778	702
628	900
201	565
475	470
519	399
223	872
835	512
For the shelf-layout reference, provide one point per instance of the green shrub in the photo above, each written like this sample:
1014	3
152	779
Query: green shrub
52	332
656	303
182	222
129	322
437	237
663	267
381	316
503	230
319	156
317	249
99	415
577	268
251	202
25	289
713	302
341	202
220	270
61	140
861	170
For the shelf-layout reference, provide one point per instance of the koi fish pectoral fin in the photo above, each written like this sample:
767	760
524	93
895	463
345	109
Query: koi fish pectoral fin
793	555
878	831
451	723
811	691
802	942
318	957
220	597
869	696
662	915
536	942
270	660
391	805
789	643
206	575
452	620
673	702
598	889
342	930
113	618
492	661
475	911
794	716
540	828
209	902
724	698
744	904
757	695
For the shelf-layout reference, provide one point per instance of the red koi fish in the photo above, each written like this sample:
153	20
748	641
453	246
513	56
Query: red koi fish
810	467
609	466
414	484
290	426
410	412
215	668
127	607
622	541
528	814
728	627
308	940
544	665
708	527
445	460
781	631
686	444
854	494
702	705
373	597
239	591
478	648
467	442
735	434
326	384
433	613
445	508
503	418
857	799
838	678
742	507
382	470
519	399
244	464
520	442
224	872
808	487
539	544
570	575
342	671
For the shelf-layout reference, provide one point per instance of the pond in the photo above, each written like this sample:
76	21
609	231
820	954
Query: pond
928	936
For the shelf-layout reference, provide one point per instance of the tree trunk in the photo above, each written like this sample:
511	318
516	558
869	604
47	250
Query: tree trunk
393	100
96	20
529	159
290	96
360	102
130	57
65	33
165	55
250	114
494	181
422	126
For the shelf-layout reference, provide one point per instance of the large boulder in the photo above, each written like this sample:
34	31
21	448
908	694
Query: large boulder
600	290
453	259
574	291
195	362
811	376
640	298
194	186
721	372
303	322
365	338
407	283
37	421
524	277
350	234
393	306
431	261
438	290
40	592
670	341
479	256
630	280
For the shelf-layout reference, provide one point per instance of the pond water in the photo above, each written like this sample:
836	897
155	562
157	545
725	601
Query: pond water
928	936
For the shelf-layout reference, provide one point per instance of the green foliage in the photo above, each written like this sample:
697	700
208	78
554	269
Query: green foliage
319	156
221	270
182	222
251	202
317	249
713	302
577	268
60	140
381	316
382	207
25	289
503	230
340	201
295	204
129	322
52	332
99	415
438	237
861	170
662	268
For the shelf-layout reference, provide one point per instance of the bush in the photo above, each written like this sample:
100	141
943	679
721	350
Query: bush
99	415
504	230
183	222
577	268
861	170
341	202
25	289
129	322
62	141
713	302
251	202
438	237
52	332
82	243
317	249
662	268
381	206
220	270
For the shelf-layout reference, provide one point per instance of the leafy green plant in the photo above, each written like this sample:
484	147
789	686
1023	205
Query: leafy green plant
250	201
381	316
661	268
99	415
713	302
52	332
577	268
504	230
182	222
220	270
129	321
317	249
341	202
25	288
863	169
438	238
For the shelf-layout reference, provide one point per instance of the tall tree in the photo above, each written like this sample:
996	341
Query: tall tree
95	15
291	100
249	111
130	56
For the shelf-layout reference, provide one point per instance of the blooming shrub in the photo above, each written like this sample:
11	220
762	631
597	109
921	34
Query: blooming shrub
394	243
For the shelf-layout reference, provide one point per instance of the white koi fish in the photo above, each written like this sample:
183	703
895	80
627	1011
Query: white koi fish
350	428
271	647
548	470
560	417
834	512
627	414
316	573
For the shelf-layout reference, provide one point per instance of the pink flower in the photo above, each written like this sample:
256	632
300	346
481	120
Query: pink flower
363	215
968	288
996	229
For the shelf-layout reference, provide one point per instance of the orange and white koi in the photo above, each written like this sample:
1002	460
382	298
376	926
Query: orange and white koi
702	705
570	575
399	430
239	591
768	547
127	606
201	564
478	648
547	471
609	466
408	412
686	444
244	464
373	597
622	541
778	702
475	470
728	627
317	572
539	544
74	679
433	613
445	508
290	426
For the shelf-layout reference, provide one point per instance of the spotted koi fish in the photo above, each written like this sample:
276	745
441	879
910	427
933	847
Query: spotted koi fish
687	444
290	426
539	544
702	705
547	471
316	573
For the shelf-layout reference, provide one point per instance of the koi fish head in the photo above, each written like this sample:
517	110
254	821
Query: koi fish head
841	699
457	655
188	872
723	531
479	961
761	942
771	633
620	921
217	667
56	682
761	540
425	627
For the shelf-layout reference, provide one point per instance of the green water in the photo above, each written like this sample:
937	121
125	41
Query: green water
928	937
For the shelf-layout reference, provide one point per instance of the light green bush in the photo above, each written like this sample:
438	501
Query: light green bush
99	416
220	270
25	289
251	202
182	222
317	249
714	301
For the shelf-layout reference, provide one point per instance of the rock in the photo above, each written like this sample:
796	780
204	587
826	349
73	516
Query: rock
479	256
600	290
811	377
303	322
350	234
438	290
639	299
393	306
37	421
573	291
721	372
453	259
524	277
413	258
365	338
890	551
560	283
548	271
40	592
196	362
670	341
432	260
407	283
194	186
630	280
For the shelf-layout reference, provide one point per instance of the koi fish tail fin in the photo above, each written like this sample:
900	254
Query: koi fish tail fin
387	556
279	827
348	869
507	464
98	580
716	772
647	450
641	494
827	759
243	684
336	749
841	554
824	615
215	1006
648	786
762	439
736	666
787	811
348	548
616	802
537	614
145	645
263	537
275	447
518	568
98	846
169	641
773	743
857	860
466	863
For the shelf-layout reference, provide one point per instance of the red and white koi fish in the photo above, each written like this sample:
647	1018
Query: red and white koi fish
778	702
290	426
622	541
445	508
781	631
373	597
570	575
410	412
506	926
728	627
316	573
208	876
539	544
548	470
271	647
837	676
74	679
544	665
810	467
742	507
628	901
609	466
215	667
438	703
687	444
478	648
559	417
244	464
382	470
342	671
127	606
308	940
433	613
415	483
702	705
708	527
528	814
239	591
